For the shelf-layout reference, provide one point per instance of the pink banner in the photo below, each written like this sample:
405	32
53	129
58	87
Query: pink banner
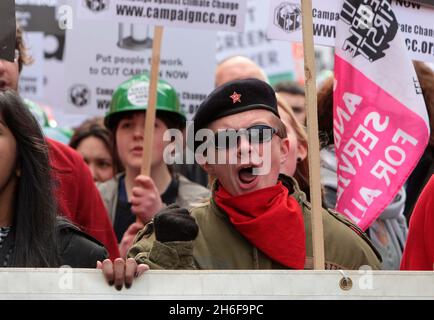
380	122
378	143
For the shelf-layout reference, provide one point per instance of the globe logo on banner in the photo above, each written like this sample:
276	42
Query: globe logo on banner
371	28
96	5
287	16
79	95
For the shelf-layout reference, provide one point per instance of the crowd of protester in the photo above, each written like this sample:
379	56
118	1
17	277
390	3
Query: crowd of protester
92	207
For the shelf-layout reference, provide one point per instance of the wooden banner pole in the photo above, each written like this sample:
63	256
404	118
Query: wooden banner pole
148	138
313	139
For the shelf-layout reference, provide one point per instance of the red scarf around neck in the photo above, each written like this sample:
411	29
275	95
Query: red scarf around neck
271	220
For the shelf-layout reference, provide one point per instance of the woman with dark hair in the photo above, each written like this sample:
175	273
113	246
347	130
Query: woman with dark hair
31	233
94	142
77	197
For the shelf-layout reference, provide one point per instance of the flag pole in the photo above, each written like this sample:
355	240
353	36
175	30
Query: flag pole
313	139
148	138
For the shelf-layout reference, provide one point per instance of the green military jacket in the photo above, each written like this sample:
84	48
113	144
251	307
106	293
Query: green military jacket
220	246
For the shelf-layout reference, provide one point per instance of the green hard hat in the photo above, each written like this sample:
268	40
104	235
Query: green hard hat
132	95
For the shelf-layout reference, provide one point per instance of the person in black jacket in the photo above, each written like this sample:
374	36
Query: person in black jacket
31	233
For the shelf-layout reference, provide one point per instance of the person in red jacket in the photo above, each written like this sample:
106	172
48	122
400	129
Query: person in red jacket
77	196
419	249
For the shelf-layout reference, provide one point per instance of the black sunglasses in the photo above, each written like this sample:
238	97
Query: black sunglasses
229	138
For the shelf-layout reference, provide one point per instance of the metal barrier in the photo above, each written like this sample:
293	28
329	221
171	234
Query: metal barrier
67	283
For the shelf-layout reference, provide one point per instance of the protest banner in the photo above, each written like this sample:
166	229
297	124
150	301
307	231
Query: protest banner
94	74
225	285
200	15
271	55
182	70
204	14
415	21
95	68
7	30
380	124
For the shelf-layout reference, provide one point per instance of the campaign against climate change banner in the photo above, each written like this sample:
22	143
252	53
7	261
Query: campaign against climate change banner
415	21
7	30
380	123
202	14
42	16
280	60
96	68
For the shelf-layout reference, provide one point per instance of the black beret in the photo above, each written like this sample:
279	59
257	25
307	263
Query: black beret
235	97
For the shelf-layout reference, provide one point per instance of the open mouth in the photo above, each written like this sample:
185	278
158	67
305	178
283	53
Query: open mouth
246	176
2	84
137	150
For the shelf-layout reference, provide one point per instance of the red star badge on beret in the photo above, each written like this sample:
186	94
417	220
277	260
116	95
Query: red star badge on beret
235	97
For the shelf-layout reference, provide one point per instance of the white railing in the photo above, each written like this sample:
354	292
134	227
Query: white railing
66	283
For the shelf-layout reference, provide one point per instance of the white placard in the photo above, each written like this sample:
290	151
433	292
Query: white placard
88	284
95	68
276	58
31	84
280	60
415	22
201	14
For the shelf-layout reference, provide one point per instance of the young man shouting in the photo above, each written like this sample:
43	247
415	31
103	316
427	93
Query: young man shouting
251	221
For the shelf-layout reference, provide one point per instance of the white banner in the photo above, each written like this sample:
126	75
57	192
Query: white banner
275	57
95	68
202	14
415	22
87	284
31	84
280	60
